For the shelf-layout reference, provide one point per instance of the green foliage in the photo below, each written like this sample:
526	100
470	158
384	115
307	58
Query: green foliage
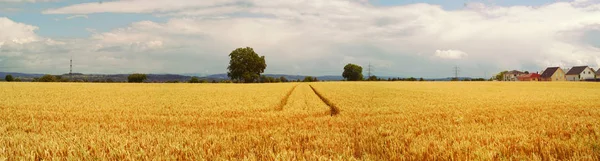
421	79
194	80
48	78
60	78
283	79
136	78
500	76
478	79
454	79
245	65
9	78
310	79
372	78
352	72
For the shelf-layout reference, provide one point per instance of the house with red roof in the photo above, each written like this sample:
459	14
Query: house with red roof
529	77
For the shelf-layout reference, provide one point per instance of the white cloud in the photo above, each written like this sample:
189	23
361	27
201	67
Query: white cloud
77	16
450	54
315	37
20	33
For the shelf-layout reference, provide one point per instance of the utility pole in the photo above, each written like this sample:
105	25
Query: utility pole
456	71
485	75
369	70
71	69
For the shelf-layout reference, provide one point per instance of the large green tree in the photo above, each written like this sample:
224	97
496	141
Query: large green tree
245	65
352	72
9	78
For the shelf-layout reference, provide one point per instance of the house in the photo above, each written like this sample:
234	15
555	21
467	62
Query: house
512	75
529	77
553	74
580	73
598	74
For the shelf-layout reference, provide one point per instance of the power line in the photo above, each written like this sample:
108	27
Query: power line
369	69
456	71
71	68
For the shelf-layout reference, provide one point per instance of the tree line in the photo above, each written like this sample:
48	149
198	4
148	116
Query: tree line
246	66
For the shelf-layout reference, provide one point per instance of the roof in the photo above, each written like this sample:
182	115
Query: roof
549	72
576	70
598	72
515	72
530	75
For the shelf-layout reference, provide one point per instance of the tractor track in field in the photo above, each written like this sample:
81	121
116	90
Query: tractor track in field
284	101
334	110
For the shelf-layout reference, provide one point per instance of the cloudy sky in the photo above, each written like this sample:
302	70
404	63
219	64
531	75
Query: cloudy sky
308	37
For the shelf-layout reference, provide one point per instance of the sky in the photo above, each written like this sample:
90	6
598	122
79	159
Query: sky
401	38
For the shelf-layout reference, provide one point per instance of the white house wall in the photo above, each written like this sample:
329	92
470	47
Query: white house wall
586	74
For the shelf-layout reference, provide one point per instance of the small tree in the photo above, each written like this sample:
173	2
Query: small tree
283	79
136	78
194	80
48	78
352	72
372	78
9	78
500	76
421	79
308	79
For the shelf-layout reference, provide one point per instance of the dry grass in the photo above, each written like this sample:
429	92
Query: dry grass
377	121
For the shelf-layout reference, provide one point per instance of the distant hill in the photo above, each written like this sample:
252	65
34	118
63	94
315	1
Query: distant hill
289	77
181	77
19	75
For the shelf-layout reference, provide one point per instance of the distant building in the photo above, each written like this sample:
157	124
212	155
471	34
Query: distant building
512	75
553	74
580	73
598	73
529	77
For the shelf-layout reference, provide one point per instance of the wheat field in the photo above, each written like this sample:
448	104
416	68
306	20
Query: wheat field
301	121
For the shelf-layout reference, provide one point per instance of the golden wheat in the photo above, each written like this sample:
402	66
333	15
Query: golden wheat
376	121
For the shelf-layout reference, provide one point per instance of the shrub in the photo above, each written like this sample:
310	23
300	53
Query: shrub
137	78
48	78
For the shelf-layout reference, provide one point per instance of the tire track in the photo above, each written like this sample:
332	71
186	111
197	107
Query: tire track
334	110
284	101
